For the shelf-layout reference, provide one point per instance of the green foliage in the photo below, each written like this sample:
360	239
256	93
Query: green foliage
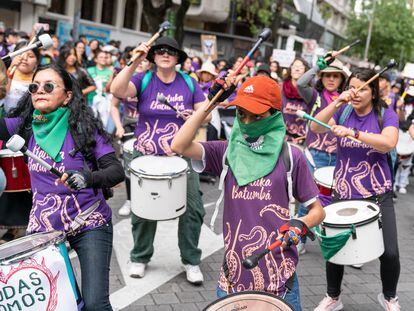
256	13
392	32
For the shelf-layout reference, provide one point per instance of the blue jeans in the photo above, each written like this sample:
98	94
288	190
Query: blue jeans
94	249
321	159
292	296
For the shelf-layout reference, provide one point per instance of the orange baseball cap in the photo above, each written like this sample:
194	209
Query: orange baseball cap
258	94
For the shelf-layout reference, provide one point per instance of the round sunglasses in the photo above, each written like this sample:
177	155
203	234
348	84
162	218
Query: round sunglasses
162	51
48	87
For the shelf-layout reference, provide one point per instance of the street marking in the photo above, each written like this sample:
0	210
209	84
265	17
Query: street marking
165	264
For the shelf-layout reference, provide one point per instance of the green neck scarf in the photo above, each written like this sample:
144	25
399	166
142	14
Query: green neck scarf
50	130
254	148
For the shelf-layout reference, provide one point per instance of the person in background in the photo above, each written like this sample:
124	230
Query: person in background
292	101
187	68
275	71
385	91
9	42
94	47
68	59
3	90
101	74
51	54
263	70
196	63
81	53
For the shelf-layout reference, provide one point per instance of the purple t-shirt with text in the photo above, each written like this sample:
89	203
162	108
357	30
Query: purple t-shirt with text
158	123
251	218
362	171
56	206
324	142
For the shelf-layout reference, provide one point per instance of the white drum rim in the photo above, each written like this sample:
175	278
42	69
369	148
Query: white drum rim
141	174
129	151
7	153
247	293
320	182
356	224
59	238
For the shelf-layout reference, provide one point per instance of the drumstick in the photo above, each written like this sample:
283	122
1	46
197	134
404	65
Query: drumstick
253	260
163	27
303	115
264	35
161	99
16	143
344	49
128	134
391	64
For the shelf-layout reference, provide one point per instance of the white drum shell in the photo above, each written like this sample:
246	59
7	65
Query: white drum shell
158	197
127	152
368	244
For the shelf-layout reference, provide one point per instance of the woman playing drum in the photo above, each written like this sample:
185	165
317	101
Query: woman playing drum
256	195
363	172
60	129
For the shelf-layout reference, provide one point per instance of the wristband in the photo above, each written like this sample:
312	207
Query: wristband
356	133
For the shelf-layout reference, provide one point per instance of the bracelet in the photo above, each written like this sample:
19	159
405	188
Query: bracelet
356	133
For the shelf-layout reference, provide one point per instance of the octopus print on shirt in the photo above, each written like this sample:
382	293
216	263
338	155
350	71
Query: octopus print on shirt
362	171
251	218
55	206
158	123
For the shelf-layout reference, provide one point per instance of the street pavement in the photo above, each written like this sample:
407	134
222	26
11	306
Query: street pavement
165	286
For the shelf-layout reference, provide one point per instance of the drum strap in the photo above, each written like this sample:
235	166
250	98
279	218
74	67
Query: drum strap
80	220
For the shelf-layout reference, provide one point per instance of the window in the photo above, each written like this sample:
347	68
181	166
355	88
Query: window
130	14
57	6
108	12
87	9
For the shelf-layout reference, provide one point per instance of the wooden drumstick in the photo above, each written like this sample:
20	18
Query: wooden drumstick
163	27
161	99
344	49
391	64
14	67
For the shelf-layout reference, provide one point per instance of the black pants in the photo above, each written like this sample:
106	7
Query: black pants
389	261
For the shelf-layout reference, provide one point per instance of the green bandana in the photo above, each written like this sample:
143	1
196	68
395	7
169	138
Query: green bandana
254	148
50	130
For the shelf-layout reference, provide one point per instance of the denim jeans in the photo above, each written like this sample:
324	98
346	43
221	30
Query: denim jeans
94	249
292	296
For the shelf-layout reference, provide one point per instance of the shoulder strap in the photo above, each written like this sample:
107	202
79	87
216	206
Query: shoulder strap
345	114
288	163
188	80
145	81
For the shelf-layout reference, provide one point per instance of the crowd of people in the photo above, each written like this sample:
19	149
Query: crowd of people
73	101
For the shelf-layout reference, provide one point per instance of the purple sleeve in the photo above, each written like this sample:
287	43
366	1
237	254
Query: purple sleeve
304	187
337	114
198	96
12	124
213	156
137	80
390	118
102	148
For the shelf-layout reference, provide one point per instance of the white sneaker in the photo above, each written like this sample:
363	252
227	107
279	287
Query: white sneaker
329	304
194	274
301	248
125	209
136	269
402	190
391	305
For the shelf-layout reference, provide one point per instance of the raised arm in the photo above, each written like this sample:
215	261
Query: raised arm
304	89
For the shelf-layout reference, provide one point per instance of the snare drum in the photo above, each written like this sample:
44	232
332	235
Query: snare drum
127	153
366	243
158	187
250	301
405	145
36	274
16	171
324	179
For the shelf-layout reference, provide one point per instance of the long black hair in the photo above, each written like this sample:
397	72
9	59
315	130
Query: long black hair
319	85
364	74
64	53
289	71
83	125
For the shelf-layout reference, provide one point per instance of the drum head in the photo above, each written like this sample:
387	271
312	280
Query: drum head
158	166
324	176
9	153
350	212
28	243
250	301
128	146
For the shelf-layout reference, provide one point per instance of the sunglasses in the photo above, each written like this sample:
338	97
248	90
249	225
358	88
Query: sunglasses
48	87
162	51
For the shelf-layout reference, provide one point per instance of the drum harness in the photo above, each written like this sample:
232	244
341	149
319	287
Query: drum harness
287	159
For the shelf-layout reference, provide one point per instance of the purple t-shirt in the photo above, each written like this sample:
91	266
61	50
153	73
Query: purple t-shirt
158	123
55	206
295	126
327	141
130	107
252	214
205	86
361	171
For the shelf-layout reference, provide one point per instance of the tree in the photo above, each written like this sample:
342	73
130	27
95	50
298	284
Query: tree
155	15
392	31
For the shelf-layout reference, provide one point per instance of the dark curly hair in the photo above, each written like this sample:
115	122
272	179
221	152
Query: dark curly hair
83	125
